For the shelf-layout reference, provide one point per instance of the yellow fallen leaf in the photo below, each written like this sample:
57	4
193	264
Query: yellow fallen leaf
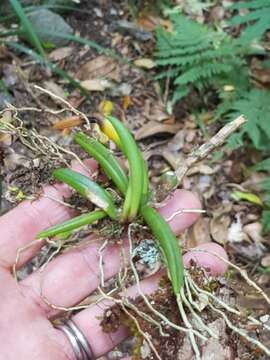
96	84
106	107
145	63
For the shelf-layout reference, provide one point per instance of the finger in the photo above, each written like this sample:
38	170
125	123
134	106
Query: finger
58	279
208	259
89	320
20	225
181	200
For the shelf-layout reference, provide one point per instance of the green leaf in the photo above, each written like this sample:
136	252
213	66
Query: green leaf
137	178
255	106
88	189
250	197
72	224
262	166
106	160
168	245
266	221
27	27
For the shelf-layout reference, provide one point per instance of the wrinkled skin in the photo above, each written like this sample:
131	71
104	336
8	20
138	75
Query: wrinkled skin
25	328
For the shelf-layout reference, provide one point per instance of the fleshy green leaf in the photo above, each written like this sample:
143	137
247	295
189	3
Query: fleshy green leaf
88	189
72	224
106	160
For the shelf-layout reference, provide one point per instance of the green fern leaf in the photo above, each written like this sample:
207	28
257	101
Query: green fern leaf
196	55
255	106
257	19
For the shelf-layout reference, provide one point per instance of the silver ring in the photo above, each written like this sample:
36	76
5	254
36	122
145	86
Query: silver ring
77	340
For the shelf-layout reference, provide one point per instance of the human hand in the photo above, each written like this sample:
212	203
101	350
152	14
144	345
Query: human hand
25	328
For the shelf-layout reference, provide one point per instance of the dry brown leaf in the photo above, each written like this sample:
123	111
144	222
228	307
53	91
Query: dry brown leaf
202	169
199	233
153	128
150	23
254	230
125	102
3	52
68	122
155	111
55	89
219	226
145	63
96	84
172	158
61	53
100	67
266	261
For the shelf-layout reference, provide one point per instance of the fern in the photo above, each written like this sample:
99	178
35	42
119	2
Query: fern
257	19
255	106
195	55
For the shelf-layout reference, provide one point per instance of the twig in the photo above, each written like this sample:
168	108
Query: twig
205	149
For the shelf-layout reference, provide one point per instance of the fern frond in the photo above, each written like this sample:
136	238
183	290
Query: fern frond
205	71
196	54
255	106
251	4
257	19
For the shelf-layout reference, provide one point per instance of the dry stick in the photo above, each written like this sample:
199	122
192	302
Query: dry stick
205	149
72	108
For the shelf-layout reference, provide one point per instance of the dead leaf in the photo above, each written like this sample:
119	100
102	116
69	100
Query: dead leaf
61	53
153	128
199	233
67	123
202	169
219	226
156	111
100	67
150	23
3	52
265	261
145	63
126	102
96	84
55	89
254	230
